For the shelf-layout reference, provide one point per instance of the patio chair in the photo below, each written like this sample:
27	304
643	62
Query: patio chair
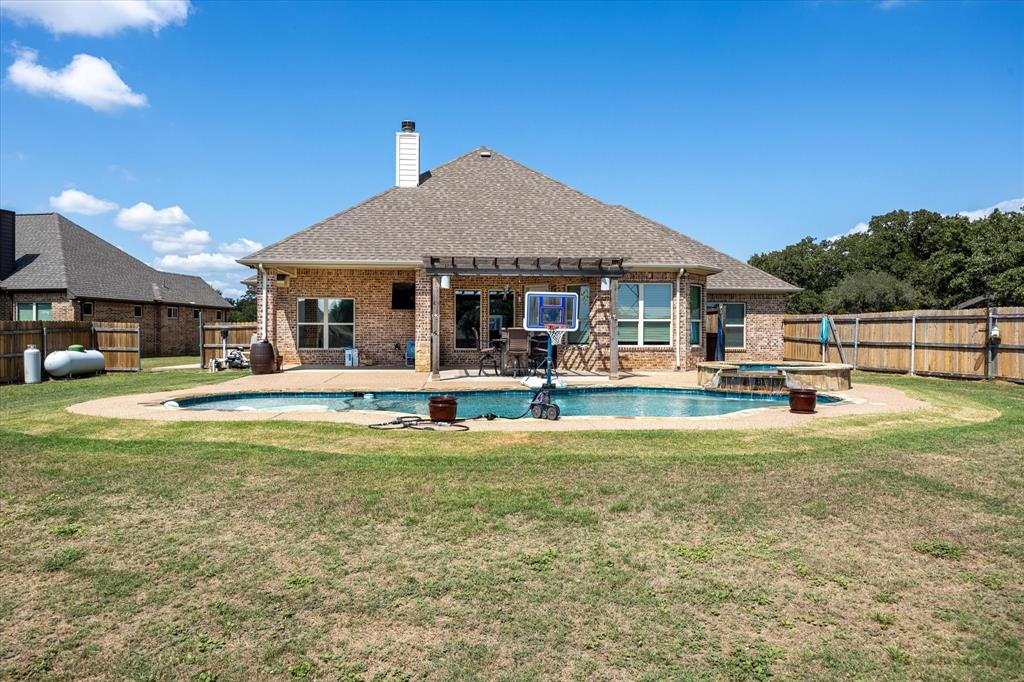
518	350
410	353
489	356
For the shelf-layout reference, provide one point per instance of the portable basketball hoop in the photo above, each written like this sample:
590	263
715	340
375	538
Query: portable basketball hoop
552	312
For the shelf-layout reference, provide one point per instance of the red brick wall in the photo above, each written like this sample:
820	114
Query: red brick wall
763	326
62	308
380	332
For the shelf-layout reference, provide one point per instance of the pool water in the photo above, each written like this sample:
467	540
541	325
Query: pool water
749	368
623	402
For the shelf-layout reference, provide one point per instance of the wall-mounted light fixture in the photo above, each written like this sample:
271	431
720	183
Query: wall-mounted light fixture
446	281
606	284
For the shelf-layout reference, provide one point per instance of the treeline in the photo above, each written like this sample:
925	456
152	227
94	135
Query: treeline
904	261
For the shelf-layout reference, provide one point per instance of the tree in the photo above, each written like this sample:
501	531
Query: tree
244	307
934	261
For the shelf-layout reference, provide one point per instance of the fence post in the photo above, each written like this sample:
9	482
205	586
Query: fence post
44	343
913	341
202	341
990	348
856	339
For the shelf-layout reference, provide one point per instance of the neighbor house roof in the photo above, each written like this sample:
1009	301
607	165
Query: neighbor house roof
485	204
54	254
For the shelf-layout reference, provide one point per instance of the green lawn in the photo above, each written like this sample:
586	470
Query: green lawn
169	361
861	548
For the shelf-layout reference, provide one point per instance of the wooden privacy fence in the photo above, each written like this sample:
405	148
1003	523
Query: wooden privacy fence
118	341
211	341
951	343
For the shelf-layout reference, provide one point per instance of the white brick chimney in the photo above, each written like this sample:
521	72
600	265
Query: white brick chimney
407	156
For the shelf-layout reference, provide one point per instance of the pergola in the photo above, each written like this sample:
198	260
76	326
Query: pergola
521	266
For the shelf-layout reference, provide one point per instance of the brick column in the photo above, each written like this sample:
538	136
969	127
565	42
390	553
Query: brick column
424	298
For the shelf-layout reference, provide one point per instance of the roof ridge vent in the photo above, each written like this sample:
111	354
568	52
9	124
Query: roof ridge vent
485	153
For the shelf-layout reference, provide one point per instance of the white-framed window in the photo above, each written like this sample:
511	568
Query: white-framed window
645	314
467	319
696	315
734	324
220	315
582	334
195	313
33	312
87	308
172	313
137	311
326	323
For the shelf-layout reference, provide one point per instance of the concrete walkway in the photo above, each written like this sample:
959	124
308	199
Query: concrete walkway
861	400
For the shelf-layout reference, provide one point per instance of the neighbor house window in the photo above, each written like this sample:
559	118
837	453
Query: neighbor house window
501	306
696	316
86	308
220	315
734	323
195	313
172	313
467	319
403	296
137	311
582	333
34	312
326	323
645	314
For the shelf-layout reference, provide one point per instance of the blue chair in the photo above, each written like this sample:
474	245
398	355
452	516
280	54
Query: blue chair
410	354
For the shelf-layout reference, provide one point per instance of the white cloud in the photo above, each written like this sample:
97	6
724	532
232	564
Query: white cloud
198	262
143	216
1004	206
97	17
87	80
75	201
189	241
241	247
856	229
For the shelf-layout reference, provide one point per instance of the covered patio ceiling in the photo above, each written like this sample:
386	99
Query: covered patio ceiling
524	266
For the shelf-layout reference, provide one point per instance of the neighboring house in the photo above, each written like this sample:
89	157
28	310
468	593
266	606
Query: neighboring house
53	269
444	258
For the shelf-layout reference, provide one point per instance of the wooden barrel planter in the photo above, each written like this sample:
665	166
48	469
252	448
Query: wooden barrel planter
443	408
261	358
803	400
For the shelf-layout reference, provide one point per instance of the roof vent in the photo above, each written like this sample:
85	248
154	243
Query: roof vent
485	154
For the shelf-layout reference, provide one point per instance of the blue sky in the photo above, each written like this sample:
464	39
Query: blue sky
185	128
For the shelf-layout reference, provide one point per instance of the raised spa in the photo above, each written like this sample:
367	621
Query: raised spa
578	402
775	377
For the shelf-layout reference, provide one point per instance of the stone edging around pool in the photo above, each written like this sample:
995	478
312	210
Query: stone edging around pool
861	400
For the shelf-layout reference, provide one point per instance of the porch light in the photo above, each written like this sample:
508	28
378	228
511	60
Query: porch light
446	282
606	283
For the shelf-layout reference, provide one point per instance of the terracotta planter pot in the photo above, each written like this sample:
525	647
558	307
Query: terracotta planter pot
803	400
443	408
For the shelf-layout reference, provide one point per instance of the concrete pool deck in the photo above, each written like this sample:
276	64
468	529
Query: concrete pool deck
860	400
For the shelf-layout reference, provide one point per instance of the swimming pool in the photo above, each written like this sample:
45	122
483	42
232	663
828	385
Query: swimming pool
617	402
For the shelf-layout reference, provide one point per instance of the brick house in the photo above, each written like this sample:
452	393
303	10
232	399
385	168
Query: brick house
53	269
444	258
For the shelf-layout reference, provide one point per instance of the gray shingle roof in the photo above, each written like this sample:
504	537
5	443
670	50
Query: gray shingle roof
489	206
53	253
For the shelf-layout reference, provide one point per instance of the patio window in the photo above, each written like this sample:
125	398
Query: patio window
696	317
326	323
582	335
734	323
34	312
501	307
645	314
467	319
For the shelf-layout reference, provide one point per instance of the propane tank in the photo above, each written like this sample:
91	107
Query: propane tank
33	365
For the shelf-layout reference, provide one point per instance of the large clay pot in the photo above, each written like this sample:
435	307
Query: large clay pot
443	408
261	358
803	400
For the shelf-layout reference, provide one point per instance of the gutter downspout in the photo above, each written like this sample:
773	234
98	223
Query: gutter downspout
263	326
679	316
